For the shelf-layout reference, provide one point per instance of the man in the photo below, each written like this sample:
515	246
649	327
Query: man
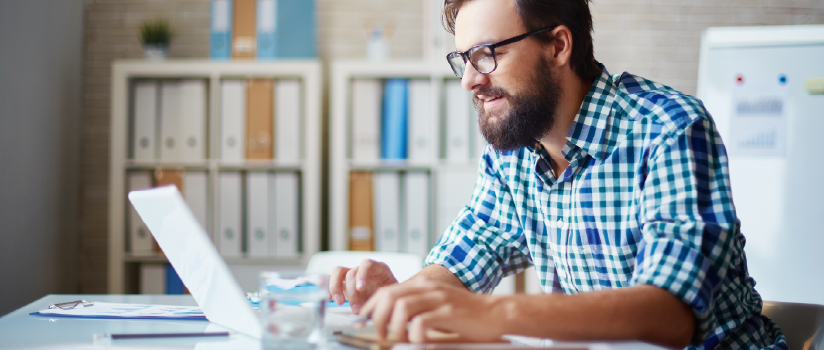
615	188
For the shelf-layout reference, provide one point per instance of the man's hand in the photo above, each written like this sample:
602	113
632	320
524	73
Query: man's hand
359	283
430	304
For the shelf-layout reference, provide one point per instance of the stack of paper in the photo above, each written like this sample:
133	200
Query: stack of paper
113	310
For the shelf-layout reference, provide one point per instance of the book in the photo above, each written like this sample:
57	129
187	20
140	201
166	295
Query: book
361	220
394	119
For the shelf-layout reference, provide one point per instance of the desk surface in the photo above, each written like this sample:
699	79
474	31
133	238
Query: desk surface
19	330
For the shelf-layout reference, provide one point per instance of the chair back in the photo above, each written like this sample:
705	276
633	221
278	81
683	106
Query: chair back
802	324
403	265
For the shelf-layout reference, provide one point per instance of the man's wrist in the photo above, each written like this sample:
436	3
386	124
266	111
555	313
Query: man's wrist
504	311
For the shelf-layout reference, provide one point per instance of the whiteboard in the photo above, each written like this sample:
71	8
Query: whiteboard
777	157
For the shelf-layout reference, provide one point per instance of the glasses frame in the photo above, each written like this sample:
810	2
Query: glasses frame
466	54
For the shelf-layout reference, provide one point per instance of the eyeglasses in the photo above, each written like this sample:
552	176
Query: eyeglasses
482	56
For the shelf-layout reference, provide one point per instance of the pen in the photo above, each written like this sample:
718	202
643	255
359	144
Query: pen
163	335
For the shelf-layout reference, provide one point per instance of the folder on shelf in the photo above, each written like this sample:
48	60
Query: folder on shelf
173	283
287	205
192	119
244	43
164	177
366	111
416	195
287	120
394	123
387	211
145	120
295	29
457	121
361	221
170	143
454	191
233	120
266	28
140	238
220	32
230	226
257	213
421	116
195	189
259	118
152	279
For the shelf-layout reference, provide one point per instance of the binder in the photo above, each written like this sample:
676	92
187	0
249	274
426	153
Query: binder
195	193
387	211
164	177
366	108
257	213
296	29
152	279
229	233
416	210
220	33
266	28
421	120
170	147
145	120
394	119
173	283
244	43
286	203
287	120
259	118
454	191
457	121
192	119
361	220
233	120
140	239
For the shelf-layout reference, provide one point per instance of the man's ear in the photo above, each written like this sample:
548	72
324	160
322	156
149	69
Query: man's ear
560	49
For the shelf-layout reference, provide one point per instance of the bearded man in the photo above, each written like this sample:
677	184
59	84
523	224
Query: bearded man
615	188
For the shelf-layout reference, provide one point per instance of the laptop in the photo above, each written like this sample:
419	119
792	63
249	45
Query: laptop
194	257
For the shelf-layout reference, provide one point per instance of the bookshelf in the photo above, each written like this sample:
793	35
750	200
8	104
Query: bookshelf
123	263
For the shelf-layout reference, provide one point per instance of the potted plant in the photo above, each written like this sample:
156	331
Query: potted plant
156	36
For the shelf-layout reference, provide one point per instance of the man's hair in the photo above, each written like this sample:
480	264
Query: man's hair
538	14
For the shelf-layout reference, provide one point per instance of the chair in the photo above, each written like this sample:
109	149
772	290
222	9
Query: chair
802	324
403	265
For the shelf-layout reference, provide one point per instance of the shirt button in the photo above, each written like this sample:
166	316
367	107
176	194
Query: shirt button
559	223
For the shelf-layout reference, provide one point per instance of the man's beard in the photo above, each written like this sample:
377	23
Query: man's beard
531	114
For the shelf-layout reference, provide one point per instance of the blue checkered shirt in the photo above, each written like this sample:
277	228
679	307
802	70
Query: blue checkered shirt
645	200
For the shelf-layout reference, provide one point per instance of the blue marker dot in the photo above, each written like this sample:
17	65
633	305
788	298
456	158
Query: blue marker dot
782	79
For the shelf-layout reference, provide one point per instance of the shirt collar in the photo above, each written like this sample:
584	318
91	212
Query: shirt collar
588	129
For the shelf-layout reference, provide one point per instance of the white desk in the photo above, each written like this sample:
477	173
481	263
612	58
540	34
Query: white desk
19	330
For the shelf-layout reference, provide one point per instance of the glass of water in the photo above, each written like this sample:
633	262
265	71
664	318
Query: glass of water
292	308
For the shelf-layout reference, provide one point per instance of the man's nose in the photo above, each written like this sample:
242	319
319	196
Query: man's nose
472	79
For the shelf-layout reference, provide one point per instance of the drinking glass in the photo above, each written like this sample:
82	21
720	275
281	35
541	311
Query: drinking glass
292	308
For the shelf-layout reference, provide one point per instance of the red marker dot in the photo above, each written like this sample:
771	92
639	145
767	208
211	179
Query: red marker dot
739	79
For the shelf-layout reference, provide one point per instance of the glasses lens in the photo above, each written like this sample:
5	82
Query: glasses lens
483	59
457	63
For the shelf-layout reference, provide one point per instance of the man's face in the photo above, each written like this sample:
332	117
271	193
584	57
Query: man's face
516	103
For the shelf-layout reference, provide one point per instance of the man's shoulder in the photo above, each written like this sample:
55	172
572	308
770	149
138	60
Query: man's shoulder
659	104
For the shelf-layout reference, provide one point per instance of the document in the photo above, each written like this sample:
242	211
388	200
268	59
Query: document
113	310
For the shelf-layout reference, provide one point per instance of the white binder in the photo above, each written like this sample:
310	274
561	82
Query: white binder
366	113
416	193
140	238
387	193
286	203
152	279
454	191
287	120
193	119
457	121
170	148
145	120
421	117
195	193
233	120
229	229
257	213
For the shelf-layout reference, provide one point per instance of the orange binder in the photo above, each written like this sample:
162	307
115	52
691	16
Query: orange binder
163	177
244	29
361	217
260	118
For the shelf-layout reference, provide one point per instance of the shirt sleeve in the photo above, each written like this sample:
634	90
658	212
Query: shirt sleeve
485	243
690	232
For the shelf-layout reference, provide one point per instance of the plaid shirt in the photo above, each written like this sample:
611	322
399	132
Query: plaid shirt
645	200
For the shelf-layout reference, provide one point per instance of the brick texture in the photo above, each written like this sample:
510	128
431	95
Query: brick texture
656	39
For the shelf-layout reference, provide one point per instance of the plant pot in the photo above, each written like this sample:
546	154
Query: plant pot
156	52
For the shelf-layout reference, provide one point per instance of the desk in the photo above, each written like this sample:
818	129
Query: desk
19	330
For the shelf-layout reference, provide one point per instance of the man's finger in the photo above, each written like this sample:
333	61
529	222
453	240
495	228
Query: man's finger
407	308
367	267
381	304
420	324
351	294
336	284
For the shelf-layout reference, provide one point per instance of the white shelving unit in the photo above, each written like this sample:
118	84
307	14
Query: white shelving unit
308	167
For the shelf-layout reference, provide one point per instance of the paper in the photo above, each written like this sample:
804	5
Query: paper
112	310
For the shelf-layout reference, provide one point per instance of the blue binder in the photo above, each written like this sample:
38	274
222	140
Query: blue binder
267	28
220	33
173	283
295	33
394	119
